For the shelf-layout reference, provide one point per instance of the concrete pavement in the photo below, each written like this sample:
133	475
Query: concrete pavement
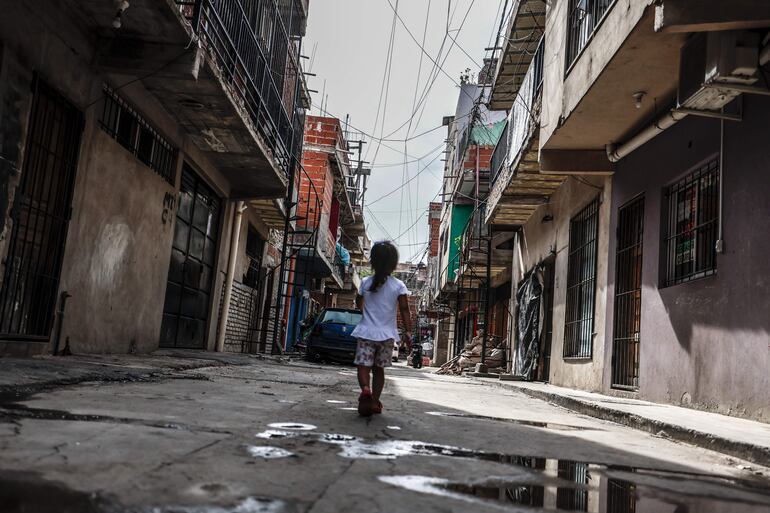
170	434
743	438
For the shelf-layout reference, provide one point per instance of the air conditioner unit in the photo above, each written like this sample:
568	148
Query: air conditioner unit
711	62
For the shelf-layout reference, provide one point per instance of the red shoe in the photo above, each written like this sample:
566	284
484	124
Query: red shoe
377	408
366	403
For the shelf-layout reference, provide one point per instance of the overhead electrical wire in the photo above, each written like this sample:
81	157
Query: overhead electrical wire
388	62
405	183
433	74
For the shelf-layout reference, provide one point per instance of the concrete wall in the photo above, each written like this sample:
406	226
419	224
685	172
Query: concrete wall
539	240
706	342
117	252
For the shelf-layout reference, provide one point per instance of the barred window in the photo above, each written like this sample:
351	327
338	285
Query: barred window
135	134
254	246
692	222
573	499
585	16
581	282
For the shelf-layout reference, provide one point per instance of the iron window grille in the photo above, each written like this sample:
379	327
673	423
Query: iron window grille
254	247
134	133
581	282
573	499
628	295
692	225
585	16
621	496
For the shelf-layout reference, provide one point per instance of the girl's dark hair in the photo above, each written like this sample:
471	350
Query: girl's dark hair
384	259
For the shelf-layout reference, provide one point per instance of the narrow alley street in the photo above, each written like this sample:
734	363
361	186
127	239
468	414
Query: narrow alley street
226	433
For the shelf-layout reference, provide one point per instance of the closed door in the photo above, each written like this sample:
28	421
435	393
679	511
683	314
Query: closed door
628	296
40	217
193	265
546	336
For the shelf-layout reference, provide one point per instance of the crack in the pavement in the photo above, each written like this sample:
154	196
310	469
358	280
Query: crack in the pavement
328	486
17	411
165	464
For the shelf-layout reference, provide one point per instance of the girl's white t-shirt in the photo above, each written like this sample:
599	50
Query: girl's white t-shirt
379	321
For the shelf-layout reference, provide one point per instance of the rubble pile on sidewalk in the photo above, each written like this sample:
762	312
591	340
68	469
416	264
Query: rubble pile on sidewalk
471	355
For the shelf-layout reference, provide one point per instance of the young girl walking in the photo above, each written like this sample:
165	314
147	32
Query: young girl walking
379	296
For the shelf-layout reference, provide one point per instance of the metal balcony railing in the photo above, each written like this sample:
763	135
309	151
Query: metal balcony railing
256	47
584	18
475	234
520	117
500	153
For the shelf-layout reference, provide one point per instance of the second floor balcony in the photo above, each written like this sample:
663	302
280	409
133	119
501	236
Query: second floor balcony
518	187
227	71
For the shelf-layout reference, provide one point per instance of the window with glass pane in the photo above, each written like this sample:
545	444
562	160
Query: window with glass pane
692	206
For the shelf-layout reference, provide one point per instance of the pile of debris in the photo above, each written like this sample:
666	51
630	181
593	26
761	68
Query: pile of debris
471	355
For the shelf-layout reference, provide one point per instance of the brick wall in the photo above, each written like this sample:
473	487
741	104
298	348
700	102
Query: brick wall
434	227
319	131
323	131
485	157
315	189
412	299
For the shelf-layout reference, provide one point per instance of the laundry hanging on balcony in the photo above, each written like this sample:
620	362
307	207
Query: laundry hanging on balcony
529	320
343	255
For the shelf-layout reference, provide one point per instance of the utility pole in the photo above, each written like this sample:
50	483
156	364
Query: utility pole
362	173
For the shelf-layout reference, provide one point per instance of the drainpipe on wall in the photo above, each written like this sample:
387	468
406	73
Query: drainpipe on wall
235	237
720	244
615	153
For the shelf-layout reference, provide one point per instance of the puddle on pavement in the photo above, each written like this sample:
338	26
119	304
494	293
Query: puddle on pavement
533	423
349	408
571	482
295	426
277	433
334	438
335	401
268	452
248	505
28	492
582	487
24	492
394	428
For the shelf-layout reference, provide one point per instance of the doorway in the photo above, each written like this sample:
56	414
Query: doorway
40	216
546	336
628	296
193	265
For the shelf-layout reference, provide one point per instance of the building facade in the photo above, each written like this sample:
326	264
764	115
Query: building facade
130	144
630	164
329	236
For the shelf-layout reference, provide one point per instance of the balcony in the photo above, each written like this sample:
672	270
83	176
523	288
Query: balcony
519	43
611	54
227	71
518	188
478	240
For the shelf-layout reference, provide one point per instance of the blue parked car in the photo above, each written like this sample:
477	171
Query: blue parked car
330	339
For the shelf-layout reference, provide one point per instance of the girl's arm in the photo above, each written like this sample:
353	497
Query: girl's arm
360	302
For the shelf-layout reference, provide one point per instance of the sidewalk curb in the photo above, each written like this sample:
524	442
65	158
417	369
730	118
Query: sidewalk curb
746	451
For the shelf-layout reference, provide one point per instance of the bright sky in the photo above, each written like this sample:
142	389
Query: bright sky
348	43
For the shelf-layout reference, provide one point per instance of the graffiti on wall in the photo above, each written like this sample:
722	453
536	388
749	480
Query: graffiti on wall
169	202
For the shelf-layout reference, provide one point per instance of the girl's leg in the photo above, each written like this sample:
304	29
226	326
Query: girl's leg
379	382
363	378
